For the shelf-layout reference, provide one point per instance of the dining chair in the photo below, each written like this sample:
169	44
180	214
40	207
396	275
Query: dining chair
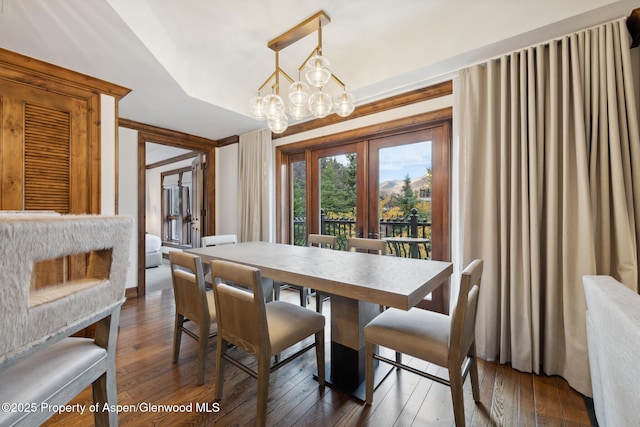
379	246
260	329
321	241
219	239
367	246
193	303
447	341
215	240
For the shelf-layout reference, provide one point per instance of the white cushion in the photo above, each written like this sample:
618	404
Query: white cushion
39	377
152	243
289	324
419	333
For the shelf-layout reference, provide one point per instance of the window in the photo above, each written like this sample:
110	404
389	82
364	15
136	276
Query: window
176	207
391	183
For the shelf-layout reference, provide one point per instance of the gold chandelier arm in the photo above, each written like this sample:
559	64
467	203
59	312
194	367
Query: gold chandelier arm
313	52
286	75
267	81
337	80
277	73
319	48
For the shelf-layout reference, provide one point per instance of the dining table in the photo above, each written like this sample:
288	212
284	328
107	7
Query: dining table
358	284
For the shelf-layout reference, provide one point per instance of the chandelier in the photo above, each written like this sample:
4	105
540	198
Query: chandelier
306	98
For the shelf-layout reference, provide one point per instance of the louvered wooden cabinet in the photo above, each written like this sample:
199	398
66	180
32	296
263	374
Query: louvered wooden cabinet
46	163
50	145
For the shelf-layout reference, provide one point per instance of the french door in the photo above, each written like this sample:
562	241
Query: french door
336	185
409	176
394	187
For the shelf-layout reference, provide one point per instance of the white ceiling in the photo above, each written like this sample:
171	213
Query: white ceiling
192	65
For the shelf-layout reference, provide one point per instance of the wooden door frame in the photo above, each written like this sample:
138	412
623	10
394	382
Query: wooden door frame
148	133
313	205
438	119
395	127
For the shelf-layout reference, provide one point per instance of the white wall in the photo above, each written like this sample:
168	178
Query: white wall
128	193
227	189
127	178
107	155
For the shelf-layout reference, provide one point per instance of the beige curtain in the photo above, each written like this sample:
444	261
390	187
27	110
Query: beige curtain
255	169
550	159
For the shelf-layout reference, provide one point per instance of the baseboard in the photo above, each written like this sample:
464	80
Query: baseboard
591	411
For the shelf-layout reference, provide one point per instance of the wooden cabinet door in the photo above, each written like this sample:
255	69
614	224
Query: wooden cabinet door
45	159
45	163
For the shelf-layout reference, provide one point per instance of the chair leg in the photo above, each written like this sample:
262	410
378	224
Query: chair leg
276	291
457	395
473	373
104	392
304	296
177	336
203	342
320	356
368	366
262	390
220	350
398	358
319	301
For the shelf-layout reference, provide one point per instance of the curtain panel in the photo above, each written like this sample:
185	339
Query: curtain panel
550	191
255	169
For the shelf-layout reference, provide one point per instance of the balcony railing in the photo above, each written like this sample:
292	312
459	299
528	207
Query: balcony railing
344	228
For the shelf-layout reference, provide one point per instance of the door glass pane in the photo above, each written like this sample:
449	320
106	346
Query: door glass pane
299	191
174	201
405	185
338	197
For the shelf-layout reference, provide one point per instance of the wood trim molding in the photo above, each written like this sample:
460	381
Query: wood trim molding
228	141
175	159
169	137
403	125
33	72
401	100
142	214
131	293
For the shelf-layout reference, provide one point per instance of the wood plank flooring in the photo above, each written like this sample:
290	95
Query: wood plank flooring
146	377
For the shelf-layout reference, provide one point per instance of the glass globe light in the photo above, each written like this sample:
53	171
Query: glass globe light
256	109
298	112
344	104
278	124
320	104
299	93
318	71
273	105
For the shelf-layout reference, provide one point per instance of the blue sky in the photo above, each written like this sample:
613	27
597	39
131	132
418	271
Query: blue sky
397	162
412	159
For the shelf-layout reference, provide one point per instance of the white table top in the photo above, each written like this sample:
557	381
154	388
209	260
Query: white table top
386	280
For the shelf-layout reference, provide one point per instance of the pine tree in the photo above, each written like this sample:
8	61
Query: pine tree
407	198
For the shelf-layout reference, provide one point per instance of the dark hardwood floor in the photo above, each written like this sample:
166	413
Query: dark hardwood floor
146	377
